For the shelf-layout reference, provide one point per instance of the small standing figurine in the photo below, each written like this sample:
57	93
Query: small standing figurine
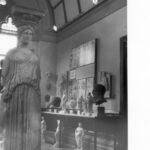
58	134
79	103
43	129
84	107
79	134
89	103
63	101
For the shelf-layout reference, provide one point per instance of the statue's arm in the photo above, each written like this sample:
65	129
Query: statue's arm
75	131
82	132
39	70
5	68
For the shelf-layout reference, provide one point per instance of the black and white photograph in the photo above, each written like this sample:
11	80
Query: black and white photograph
63	75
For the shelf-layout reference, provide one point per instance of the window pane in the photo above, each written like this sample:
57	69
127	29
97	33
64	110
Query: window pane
7	42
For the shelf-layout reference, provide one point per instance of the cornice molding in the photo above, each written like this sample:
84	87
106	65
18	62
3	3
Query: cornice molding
90	18
24	16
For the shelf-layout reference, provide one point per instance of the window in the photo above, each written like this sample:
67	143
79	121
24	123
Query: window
3	2
8	37
8	26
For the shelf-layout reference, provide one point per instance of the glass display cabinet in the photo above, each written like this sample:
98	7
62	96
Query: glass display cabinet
99	132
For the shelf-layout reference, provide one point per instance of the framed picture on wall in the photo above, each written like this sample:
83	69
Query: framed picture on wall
83	68
83	54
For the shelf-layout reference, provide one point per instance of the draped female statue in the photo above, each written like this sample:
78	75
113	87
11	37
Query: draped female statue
79	135
21	92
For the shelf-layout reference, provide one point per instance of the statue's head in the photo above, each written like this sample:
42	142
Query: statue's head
98	94
25	34
80	124
42	118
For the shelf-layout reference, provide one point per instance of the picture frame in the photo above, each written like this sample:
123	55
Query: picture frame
83	68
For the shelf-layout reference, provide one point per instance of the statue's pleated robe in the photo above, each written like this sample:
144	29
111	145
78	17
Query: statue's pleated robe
21	76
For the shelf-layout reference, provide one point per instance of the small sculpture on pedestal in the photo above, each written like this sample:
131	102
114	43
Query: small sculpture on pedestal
98	96
79	134
58	134
47	100
43	129
55	103
72	102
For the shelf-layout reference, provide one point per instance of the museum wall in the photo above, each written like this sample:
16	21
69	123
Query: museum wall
47	54
108	32
48	65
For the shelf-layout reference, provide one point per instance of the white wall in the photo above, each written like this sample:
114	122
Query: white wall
47	54
108	31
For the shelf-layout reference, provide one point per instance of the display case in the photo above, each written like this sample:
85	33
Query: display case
99	132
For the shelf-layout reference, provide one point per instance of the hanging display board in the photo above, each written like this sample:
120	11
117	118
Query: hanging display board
82	69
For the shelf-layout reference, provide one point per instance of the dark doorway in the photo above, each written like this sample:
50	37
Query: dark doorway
123	75
123	92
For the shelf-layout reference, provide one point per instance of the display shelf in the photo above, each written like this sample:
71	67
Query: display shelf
107	124
67	114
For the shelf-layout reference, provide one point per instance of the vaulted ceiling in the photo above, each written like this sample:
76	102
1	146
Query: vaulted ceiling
65	11
57	12
69	16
